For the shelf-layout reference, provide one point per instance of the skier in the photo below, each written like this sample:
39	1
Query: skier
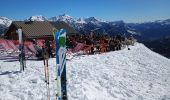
48	47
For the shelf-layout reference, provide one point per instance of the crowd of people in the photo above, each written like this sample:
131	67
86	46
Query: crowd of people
44	51
98	43
89	44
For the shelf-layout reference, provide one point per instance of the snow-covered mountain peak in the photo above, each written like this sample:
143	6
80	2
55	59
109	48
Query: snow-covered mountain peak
4	18
81	20
166	22
4	24
37	18
66	18
5	21
91	19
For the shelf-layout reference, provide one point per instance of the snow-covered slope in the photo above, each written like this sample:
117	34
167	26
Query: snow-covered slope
136	74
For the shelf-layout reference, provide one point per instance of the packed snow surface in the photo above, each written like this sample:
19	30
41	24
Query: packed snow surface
136	74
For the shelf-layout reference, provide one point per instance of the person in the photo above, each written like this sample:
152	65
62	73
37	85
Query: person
45	54
111	45
48	47
92	49
38	49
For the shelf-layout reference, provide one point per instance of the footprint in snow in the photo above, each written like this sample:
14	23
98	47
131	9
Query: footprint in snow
1	89
33	81
128	94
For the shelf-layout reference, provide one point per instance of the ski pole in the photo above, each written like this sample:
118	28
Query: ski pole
47	75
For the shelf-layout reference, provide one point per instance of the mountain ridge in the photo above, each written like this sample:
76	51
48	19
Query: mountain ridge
142	31
85	25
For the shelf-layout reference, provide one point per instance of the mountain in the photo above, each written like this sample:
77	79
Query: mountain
81	21
66	18
4	24
151	30
142	31
86	25
160	45
37	18
92	20
149	33
136	74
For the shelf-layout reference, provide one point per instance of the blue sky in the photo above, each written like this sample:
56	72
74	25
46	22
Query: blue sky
111	10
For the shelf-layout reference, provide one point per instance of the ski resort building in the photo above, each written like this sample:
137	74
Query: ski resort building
36	29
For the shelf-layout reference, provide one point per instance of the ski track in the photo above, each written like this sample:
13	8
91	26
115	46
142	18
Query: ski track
136	74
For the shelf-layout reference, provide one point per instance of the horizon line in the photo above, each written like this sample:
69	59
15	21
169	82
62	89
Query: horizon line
76	18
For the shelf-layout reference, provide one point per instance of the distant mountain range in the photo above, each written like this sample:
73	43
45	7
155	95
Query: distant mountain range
161	45
144	32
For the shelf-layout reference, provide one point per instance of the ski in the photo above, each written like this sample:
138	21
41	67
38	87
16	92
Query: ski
21	49
60	42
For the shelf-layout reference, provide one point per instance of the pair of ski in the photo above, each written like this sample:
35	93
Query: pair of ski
60	42
22	58
21	50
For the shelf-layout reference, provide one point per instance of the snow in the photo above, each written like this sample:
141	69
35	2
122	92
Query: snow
81	21
91	19
136	74
5	21
37	18
166	22
132	32
4	24
66	18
